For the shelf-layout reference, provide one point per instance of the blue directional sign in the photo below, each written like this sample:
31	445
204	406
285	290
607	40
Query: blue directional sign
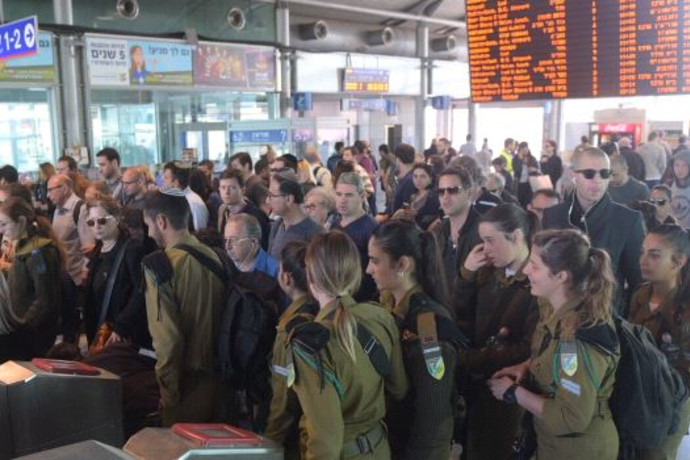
264	136
19	38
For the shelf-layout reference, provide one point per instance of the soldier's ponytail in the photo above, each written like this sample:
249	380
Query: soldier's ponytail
589	270
334	267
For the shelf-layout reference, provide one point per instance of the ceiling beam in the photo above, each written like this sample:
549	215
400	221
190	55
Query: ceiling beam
371	12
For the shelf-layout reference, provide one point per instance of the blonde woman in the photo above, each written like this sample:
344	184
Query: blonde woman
339	386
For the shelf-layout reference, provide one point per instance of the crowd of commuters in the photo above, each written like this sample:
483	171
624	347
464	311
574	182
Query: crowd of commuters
442	318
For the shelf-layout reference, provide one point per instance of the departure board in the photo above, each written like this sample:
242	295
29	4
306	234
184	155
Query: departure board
552	49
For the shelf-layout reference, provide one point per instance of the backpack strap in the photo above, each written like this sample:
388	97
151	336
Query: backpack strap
374	350
428	338
602	336
206	261
112	276
76	212
159	265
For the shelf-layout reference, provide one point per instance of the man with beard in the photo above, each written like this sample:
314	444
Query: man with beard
184	299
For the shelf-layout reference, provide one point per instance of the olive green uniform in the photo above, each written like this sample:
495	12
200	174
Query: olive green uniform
343	401
183	306
285	412
35	291
576	422
421	425
668	325
488	302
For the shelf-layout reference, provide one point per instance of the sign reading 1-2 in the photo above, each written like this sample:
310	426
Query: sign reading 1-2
19	38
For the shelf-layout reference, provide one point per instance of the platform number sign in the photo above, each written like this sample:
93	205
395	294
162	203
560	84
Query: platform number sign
19	38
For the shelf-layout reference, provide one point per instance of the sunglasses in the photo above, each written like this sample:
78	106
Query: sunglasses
100	221
449	190
590	173
659	202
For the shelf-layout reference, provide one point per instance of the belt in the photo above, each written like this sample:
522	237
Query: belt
365	442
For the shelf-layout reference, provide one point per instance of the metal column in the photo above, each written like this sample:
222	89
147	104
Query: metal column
283	35
471	123
420	101
70	80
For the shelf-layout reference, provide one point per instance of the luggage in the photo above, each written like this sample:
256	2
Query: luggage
51	403
201	441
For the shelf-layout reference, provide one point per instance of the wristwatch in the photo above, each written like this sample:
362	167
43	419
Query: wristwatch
509	395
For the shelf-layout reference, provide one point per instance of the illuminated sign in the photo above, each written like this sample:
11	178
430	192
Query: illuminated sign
365	80
521	50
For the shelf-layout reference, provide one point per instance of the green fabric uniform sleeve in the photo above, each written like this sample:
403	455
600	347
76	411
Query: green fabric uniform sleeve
284	405
168	340
433	402
574	404
323	413
396	383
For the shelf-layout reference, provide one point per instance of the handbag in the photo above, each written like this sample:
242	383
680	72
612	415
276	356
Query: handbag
105	329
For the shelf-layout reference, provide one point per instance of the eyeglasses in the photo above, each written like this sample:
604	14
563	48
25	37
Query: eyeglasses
272	195
100	221
232	241
311	206
50	189
450	190
590	173
130	182
659	202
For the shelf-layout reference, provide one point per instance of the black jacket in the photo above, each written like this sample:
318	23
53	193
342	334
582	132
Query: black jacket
552	167
127	308
635	163
610	226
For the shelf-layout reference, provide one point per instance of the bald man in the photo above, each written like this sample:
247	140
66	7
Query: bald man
69	226
134	187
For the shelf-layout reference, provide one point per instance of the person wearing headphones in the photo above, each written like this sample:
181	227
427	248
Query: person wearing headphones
243	244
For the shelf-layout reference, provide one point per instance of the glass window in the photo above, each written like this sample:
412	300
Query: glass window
145	126
27	134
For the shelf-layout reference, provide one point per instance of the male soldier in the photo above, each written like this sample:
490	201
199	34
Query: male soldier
184	299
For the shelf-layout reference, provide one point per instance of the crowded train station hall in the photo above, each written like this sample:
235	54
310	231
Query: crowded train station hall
345	229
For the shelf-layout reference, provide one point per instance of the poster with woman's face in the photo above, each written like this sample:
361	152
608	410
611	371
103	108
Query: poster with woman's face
159	63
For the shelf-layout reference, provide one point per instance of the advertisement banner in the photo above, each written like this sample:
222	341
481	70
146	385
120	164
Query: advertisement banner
234	66
36	68
159	64
108	61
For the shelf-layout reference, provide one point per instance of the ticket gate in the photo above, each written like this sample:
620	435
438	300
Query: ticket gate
50	403
190	441
80	451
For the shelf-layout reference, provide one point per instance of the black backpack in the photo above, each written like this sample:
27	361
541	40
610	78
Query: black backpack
648	394
246	332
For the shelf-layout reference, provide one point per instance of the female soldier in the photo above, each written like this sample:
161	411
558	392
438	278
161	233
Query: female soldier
118	313
34	281
340	386
574	351
406	265
662	306
285	412
498	313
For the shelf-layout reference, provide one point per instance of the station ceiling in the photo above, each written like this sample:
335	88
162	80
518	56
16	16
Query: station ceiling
442	9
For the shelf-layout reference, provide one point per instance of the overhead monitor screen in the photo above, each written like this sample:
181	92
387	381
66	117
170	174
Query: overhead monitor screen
551	49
